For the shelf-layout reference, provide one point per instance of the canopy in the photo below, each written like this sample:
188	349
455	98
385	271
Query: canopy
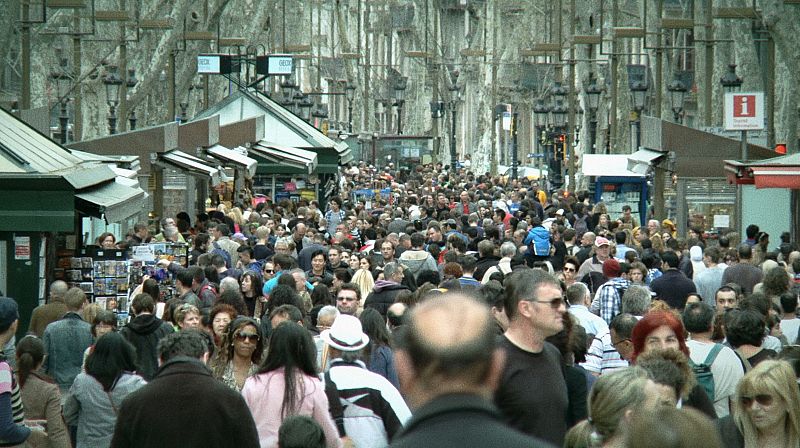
115	200
296	157
191	165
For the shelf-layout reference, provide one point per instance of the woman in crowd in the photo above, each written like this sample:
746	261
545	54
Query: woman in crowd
96	395
378	354
104	322
41	398
637	273
354	261
240	354
252	292
569	272
766	412
365	282
187	316
286	385
614	401
221	315
664	330
107	240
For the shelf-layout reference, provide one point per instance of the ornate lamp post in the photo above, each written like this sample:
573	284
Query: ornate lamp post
540	112
399	99
350	94
455	94
131	83
112	82
62	81
305	107
593	90
733	84
677	96
638	98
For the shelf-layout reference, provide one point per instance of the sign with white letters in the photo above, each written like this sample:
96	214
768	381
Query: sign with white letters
744	111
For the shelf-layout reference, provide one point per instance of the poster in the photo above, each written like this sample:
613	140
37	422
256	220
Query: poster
22	248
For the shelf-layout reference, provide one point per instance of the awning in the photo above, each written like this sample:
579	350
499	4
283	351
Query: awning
641	160
295	157
610	165
778	172
191	165
234	157
115	200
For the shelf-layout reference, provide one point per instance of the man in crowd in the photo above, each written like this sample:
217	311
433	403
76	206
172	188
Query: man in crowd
222	240
373	410
709	279
602	249
348	299
743	273
449	367
44	315
535	308
486	258
385	291
65	340
185	394
417	259
726	298
144	332
674	286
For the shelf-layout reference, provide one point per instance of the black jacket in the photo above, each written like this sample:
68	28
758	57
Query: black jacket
461	420
383	295
184	406
144	332
673	287
483	264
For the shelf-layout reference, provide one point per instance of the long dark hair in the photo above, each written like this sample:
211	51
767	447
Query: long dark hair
30	353
112	356
256	285
226	351
375	327
291	348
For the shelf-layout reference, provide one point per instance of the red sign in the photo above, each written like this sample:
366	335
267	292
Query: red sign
744	106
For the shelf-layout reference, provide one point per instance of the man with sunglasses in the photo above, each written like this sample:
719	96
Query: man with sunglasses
533	393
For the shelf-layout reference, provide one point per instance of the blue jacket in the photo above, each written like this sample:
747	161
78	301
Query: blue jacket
65	341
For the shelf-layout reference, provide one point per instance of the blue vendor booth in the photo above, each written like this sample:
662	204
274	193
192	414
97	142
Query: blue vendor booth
616	186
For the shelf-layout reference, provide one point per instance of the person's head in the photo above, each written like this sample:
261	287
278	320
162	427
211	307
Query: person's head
726	298
744	327
612	268
285	313
112	356
221	315
658	329
533	298
745	252
318	261
636	300
614	400
788	302
143	304
767	402
243	340
30	355
75	299
621	329
577	294
374	326
699	318
187	316
190	343
637	272
670	370
104	322
348	299
670	427
448	346
602	248
107	240
327	314
300	431
58	289
346	337
393	272
670	259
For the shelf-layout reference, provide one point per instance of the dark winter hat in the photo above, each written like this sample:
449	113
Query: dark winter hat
611	268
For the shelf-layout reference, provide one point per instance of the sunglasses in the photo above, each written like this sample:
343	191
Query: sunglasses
269	271
554	303
761	399
569	270
252	337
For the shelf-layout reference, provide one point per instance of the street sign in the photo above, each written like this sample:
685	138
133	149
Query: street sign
506	121
744	111
274	64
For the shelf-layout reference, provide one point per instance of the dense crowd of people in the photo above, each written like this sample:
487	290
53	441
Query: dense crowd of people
444	310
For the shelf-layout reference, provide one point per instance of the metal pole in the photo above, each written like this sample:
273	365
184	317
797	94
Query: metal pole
453	155
593	132
112	120
744	146
132	120
399	118
514	156
25	100
64	121
350	116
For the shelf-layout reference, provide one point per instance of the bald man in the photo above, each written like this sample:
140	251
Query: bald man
55	308
449	367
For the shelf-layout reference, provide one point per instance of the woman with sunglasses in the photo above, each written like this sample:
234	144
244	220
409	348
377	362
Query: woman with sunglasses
239	354
569	271
766	412
287	384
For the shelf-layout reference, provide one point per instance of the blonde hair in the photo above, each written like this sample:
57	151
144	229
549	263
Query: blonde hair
775	378
236	215
611	396
658	244
363	279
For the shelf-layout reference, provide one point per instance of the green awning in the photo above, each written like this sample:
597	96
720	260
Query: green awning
286	155
115	201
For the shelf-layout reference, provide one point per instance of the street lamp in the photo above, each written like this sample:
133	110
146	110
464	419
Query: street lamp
287	87
131	83
677	95
638	98
593	90
350	94
400	98
730	82
62	81
455	94
305	107
112	82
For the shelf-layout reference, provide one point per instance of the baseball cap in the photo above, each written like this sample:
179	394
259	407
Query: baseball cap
600	241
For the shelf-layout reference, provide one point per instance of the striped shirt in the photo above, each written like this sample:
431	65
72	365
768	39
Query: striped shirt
602	356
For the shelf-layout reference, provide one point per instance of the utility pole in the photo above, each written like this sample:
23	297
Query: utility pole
25	101
708	116
122	110
77	58
572	102
514	155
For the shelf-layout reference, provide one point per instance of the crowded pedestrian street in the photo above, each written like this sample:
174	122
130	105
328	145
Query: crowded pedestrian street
416	223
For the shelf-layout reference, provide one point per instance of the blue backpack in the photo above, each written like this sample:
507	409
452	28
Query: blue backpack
223	253
538	241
